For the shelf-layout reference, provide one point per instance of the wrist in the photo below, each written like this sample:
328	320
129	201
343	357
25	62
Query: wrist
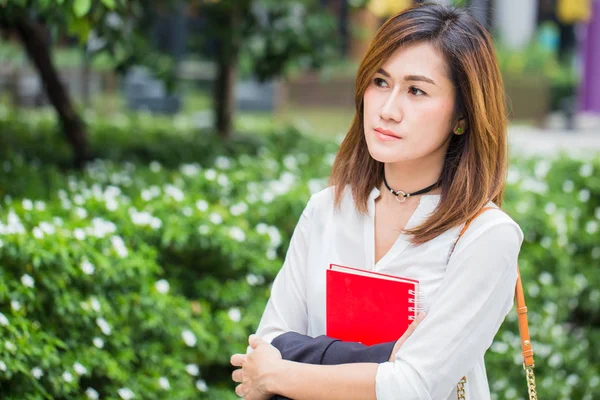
275	378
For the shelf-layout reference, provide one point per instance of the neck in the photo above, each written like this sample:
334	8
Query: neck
412	176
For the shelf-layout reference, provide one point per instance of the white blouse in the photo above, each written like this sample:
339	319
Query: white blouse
466	296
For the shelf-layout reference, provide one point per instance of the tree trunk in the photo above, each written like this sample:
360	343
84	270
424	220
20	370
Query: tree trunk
33	36
224	88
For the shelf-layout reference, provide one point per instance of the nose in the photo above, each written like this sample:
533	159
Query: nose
391	109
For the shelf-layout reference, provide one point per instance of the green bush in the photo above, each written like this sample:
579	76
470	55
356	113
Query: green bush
143	273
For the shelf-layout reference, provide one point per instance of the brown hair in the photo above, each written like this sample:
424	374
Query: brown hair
475	164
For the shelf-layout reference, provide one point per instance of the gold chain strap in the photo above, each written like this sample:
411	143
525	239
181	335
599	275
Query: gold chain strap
460	388
530	382
531	388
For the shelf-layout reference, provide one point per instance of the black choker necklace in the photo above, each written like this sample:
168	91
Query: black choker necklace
401	196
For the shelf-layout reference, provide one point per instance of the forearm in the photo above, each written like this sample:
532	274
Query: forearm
328	351
300	381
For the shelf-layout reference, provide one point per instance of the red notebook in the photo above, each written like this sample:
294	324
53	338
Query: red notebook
368	307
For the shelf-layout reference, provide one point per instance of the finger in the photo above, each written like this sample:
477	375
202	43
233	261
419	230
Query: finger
237	360
237	375
254	341
239	390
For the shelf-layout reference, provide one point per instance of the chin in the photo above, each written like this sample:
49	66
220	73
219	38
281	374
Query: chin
385	153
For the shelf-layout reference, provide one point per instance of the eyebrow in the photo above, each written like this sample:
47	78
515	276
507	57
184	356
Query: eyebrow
420	78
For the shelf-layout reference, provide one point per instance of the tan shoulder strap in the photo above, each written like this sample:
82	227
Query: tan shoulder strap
527	351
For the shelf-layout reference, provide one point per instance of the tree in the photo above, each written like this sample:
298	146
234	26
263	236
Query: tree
117	25
271	35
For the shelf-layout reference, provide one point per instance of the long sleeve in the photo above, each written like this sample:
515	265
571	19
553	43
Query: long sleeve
325	350
473	299
286	309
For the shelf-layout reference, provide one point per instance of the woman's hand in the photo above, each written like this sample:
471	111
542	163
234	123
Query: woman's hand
258	368
406	335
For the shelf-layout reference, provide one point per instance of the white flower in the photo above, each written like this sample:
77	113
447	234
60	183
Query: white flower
237	233
79	369
201	385
98	342
215	218
189	338
192	369
164	383
223	180
545	278
162	286
262	228
568	186
27	204
40	205
119	246
9	346
174	192
187	211
203	229
87	267
586	170
92	394
550	208
2	366
47	228
27	281
37	372
155	166
542	168
238	208
101	228
267	197
38	233
252	279
584	195
202	205
591	227
15	305
81	212
271	254
234	314
546	242
3	320
126	393
78	199
79	234
290	162
104	326
95	304
67	376
190	169
210	174
222	162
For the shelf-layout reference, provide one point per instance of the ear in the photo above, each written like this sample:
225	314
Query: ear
460	126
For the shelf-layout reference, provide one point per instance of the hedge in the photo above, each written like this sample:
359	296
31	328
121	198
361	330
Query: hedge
139	276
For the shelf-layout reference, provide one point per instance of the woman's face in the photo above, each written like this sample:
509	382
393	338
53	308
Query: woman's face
412	98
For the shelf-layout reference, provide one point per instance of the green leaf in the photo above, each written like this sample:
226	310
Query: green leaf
109	4
82	7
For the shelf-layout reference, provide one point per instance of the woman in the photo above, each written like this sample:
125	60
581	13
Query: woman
425	153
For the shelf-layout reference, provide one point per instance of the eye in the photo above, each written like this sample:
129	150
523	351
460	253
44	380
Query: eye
415	91
378	82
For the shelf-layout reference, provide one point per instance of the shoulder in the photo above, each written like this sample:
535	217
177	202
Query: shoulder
493	227
323	200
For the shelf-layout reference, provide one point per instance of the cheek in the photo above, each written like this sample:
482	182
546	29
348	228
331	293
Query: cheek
369	102
437	117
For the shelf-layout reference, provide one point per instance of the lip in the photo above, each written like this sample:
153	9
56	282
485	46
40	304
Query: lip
384	134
